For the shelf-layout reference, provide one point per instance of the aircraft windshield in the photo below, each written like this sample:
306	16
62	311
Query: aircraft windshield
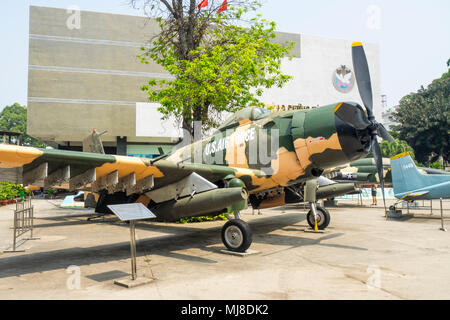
251	113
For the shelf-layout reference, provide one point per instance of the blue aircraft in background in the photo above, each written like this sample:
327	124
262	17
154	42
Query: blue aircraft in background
410	184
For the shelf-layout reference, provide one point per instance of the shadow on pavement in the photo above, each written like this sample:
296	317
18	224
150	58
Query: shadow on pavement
182	238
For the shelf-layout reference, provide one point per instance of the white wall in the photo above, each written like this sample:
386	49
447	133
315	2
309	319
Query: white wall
149	122
312	84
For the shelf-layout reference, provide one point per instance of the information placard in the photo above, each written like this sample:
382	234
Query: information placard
131	211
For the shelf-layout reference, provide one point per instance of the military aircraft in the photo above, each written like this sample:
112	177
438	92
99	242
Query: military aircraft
364	172
326	188
252	158
410	184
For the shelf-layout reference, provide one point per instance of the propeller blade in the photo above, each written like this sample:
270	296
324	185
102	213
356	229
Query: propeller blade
383	133
352	115
379	162
362	75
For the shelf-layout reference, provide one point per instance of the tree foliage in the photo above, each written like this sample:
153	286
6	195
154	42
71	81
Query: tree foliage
390	149
424	120
14	118
218	62
437	165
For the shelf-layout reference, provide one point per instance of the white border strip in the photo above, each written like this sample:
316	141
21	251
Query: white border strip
88	41
103	71
80	101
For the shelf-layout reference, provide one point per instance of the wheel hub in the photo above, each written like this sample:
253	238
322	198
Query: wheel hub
318	217
233	236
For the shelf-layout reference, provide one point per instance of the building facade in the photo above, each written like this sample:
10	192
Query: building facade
387	118
84	73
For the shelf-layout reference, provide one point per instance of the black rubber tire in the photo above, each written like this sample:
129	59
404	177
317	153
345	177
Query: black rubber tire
323	218
244	237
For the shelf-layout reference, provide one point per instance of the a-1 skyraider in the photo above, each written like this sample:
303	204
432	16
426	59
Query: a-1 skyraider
255	156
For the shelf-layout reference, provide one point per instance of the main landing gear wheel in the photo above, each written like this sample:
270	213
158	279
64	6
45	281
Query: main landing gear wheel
237	235
323	218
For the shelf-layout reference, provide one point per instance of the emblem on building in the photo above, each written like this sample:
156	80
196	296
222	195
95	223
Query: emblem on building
343	79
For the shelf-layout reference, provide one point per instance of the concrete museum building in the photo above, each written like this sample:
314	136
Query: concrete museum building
84	73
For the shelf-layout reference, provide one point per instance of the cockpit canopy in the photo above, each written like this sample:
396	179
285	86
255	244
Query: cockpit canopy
250	113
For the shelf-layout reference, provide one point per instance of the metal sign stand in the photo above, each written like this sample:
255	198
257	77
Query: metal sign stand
133	249
132	212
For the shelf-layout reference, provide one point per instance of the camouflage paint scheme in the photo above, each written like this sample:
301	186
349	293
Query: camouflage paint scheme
309	142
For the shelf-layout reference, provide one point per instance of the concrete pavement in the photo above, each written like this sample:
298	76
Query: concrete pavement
362	256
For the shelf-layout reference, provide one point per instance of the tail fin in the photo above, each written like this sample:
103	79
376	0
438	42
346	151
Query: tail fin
405	175
93	143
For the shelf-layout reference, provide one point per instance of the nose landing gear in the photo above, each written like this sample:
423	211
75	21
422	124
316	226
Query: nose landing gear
318	218
322	218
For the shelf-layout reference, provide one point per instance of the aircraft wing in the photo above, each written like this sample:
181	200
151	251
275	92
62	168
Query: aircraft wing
93	171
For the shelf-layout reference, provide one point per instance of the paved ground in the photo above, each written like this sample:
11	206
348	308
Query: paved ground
362	256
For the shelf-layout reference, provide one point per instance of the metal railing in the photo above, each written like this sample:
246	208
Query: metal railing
23	223
418	205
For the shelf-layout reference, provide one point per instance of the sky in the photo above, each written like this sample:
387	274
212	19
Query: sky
414	36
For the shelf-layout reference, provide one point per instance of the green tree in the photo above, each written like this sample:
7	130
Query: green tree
218	62
14	118
424	121
390	149
447	74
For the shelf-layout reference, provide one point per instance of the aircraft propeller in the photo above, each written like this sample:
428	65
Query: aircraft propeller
350	114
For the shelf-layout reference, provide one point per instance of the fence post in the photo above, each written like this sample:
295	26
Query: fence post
31	216
15	230
442	217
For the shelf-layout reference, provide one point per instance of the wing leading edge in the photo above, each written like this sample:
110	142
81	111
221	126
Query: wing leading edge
87	171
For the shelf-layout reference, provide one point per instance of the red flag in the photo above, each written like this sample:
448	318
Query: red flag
223	7
203	4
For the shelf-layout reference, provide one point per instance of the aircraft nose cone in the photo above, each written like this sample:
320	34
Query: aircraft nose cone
355	142
322	140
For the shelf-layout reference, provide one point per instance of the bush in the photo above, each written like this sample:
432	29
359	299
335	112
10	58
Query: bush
223	216
11	190
437	165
